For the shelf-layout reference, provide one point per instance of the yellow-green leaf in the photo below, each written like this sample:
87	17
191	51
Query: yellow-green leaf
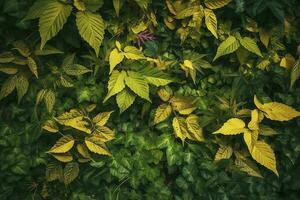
224	152
187	12
54	171
264	37
248	166
91	28
233	126
83	151
133	53
211	21
79	5
22	85
215	4
264	155
51	126
250	138
63	145
117	6
183	105
136	82
295	73
115	84
250	45
125	99
162	113
49	99
165	93
104	133
115	57
96	146
230	45
8	86
22	48
288	61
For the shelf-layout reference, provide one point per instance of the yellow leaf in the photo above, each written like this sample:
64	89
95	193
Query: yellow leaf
193	125
276	111
250	138
118	45
183	105
211	21
133	53
50	126
63	157
102	118
215	4
104	134
115	57
224	152
165	93
288	61
162	113
63	145
256	118
264	155
140	27
233	126
180	128
264	37
170	23
188	64
79	5
83	151
96	146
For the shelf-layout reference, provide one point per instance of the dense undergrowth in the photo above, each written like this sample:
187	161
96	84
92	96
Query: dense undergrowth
149	99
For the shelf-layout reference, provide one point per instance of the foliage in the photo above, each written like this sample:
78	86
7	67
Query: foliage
145	99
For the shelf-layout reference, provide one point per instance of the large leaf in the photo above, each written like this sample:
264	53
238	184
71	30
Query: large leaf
277	111
215	4
95	145
264	155
155	76
232	126
91	28
230	45
137	83
53	20
250	45
115	84
211	21
63	145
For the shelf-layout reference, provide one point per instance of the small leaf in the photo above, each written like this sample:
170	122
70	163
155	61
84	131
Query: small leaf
193	125
79	5
264	155
250	45
63	157
115	84
137	84
162	113
49	99
102	118
264	37
71	172
187	12
63	145
115	57
180	128
183	105
96	146
22	85
125	99
215	4
32	66
133	53
248	166
8	70
165	93
91	28
22	48
117	6
233	126
8	86
51	126
83	151
211	21
104	133
52	20
230	45
224	152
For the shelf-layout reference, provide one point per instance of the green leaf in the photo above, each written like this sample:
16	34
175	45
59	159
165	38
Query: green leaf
47	50
115	84
117	6
230	45
136	82
8	86
49	99
53	20
155	76
187	12
125	99
71	172
32	66
91	28
295	73
76	70
22	48
211	21
37	9
250	45
22	85
215	4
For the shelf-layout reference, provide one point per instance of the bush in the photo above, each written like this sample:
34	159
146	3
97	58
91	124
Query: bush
146	99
